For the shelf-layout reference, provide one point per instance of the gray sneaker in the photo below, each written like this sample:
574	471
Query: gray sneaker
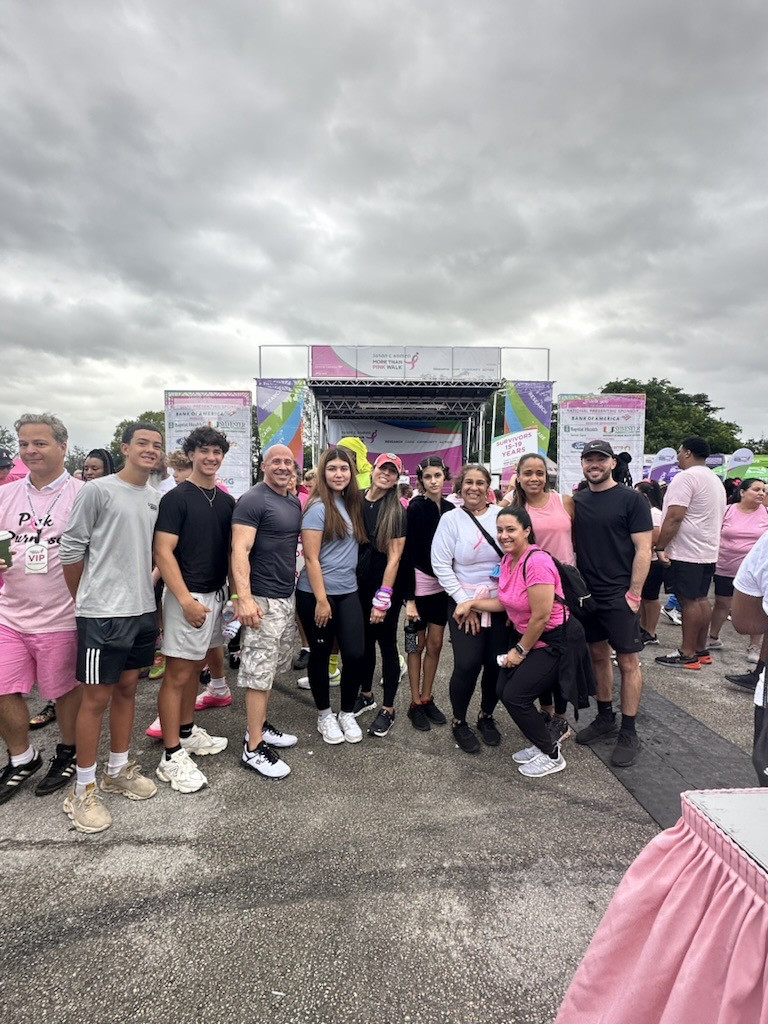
601	727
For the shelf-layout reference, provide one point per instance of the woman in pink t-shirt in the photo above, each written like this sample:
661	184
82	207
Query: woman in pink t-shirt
551	513
743	525
531	594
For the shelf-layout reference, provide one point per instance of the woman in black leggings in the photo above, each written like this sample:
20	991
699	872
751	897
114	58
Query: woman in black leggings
380	595
327	601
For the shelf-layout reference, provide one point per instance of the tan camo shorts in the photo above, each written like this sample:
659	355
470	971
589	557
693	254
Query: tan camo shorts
270	649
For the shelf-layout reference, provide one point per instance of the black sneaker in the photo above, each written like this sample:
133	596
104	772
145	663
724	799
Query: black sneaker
12	779
603	725
627	748
433	712
489	734
418	717
679	660
466	738
744	680
44	717
301	661
648	638
363	704
61	771
382	723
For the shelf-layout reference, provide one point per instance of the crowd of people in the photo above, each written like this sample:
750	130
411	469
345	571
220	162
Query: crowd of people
95	569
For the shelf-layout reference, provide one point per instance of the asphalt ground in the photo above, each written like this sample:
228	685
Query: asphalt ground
396	880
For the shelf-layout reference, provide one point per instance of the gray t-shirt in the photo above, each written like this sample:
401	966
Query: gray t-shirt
276	518
110	529
338	557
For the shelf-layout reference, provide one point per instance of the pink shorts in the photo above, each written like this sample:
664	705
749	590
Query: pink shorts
47	659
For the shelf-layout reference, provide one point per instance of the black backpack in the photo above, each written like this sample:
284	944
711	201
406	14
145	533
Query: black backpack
578	597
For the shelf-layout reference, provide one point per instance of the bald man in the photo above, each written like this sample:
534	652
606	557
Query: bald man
265	530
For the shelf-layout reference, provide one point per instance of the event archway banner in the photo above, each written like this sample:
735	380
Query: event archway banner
227	411
412	440
618	419
280	414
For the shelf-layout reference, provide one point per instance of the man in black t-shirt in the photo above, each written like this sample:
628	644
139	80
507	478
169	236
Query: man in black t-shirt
612	532
265	531
191	550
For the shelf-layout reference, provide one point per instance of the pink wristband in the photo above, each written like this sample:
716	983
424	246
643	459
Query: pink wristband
635	597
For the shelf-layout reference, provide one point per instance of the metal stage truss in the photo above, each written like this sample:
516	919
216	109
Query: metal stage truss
401	400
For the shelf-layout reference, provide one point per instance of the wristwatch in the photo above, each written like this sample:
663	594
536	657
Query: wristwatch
520	650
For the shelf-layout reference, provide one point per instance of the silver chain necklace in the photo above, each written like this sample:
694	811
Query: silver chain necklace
205	494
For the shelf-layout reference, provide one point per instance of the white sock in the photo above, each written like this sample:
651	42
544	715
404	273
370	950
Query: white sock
116	762
324	714
219	685
85	777
17	760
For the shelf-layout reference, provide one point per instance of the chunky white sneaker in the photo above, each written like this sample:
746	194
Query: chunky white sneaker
334	678
328	727
274	737
181	772
265	761
542	765
348	725
525	755
129	782
753	654
201	742
87	811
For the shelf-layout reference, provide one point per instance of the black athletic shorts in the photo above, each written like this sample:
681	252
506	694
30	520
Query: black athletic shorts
691	580
108	647
723	586
652	585
615	622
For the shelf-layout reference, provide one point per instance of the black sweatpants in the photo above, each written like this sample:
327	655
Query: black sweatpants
385	635
519	687
471	654
346	626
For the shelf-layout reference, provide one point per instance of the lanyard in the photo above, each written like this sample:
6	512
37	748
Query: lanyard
39	522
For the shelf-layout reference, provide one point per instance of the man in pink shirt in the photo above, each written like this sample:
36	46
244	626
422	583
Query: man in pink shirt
694	506
38	636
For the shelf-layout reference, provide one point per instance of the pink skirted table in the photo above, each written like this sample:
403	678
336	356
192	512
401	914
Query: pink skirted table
685	938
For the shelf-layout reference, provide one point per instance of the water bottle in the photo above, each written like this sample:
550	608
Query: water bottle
228	612
231	624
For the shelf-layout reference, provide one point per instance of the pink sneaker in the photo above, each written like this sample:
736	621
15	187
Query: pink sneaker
155	730
208	699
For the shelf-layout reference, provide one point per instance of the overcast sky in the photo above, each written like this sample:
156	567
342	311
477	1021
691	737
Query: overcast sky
182	182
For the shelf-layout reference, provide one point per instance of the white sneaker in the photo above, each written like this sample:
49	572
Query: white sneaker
181	772
333	679
714	645
328	727
525	755
348	725
265	761
753	654
542	765
403	668
200	742
274	737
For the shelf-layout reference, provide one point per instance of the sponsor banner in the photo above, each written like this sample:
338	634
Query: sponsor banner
740	458
411	363
618	419
280	414
412	440
527	404
227	411
663	465
507	449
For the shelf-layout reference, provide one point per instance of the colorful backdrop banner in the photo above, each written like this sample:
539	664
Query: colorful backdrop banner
506	450
412	440
411	363
618	419
280	414
528	404
227	411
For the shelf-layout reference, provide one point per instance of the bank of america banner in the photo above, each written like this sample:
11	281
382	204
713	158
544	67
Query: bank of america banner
618	419
410	363
528	405
412	440
280	413
227	411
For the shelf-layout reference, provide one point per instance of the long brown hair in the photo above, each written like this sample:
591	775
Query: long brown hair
390	522
335	525
520	498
